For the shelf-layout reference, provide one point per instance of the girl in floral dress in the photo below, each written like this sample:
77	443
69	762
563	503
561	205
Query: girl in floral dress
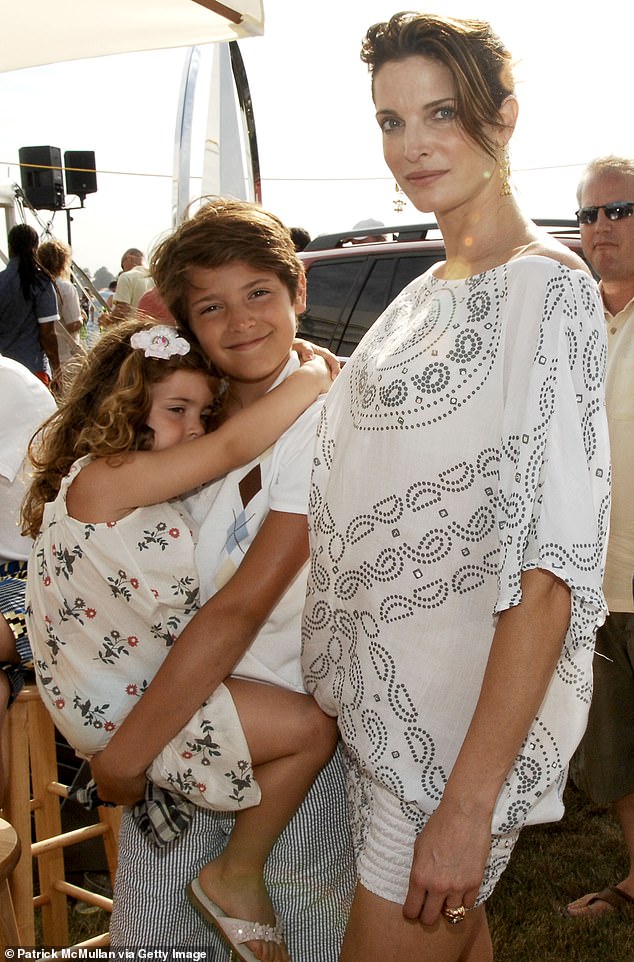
112	580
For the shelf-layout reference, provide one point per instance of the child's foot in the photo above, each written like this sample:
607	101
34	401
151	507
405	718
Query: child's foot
243	898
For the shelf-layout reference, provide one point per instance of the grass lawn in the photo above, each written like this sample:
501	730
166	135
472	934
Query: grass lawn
552	865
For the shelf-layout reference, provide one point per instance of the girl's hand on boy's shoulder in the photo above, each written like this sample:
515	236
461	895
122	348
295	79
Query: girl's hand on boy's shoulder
307	352
318	366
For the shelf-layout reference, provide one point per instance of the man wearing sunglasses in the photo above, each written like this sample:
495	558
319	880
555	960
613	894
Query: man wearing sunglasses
604	764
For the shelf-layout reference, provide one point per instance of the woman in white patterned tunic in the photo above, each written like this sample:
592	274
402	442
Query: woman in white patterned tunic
113	581
458	517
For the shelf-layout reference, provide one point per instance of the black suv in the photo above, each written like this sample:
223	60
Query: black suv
350	282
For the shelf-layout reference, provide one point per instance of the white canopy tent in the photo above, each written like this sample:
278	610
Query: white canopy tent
37	32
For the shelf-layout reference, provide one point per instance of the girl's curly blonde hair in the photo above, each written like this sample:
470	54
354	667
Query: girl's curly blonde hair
103	411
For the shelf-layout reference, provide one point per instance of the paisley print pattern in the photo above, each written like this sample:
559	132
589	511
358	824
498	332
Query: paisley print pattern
463	443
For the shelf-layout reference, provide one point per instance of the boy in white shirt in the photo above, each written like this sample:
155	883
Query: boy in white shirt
231	278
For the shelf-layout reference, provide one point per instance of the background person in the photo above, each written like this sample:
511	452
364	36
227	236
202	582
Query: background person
25	404
232	279
28	307
301	237
107	293
132	283
56	257
373	235
458	514
604	764
97	313
152	305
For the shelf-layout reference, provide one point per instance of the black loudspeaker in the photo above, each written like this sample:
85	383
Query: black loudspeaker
41	175
81	176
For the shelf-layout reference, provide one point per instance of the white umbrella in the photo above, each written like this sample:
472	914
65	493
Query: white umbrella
37	32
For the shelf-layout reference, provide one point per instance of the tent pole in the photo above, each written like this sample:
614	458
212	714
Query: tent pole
246	107
183	137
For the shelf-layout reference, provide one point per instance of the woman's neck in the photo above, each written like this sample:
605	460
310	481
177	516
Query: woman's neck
479	240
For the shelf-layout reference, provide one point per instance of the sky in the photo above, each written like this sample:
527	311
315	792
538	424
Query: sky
319	144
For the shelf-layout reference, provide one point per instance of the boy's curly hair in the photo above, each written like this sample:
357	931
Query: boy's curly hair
103	411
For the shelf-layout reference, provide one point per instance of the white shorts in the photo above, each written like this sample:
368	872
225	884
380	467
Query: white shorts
384	830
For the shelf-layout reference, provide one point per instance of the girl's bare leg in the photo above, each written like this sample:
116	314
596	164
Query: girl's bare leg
290	740
378	932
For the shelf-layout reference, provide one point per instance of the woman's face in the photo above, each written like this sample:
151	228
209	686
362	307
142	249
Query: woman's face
435	163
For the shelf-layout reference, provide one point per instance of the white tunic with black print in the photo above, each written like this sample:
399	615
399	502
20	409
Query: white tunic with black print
105	602
464	443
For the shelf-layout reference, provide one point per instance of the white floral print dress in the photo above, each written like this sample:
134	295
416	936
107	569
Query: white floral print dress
104	604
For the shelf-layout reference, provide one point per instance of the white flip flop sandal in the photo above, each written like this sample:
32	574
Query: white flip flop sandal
235	931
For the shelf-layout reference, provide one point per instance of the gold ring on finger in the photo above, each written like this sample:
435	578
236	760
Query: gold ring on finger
454	915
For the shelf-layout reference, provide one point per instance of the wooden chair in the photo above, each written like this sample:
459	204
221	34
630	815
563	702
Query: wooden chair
34	787
9	855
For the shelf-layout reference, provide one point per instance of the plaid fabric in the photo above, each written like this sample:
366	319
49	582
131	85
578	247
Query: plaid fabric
310	875
12	591
162	815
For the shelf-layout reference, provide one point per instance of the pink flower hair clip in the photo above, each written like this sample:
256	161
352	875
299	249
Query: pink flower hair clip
160	341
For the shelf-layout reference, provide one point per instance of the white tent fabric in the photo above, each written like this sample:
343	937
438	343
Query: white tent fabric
39	32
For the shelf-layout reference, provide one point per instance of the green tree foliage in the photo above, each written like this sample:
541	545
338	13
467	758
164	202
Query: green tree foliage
102	278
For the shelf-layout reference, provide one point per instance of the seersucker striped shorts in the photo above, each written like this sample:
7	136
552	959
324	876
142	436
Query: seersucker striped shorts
310	876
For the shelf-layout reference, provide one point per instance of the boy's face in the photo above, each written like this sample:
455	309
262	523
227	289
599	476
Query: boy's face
245	321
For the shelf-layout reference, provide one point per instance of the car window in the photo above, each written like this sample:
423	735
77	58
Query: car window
413	265
372	299
330	290
345	296
386	277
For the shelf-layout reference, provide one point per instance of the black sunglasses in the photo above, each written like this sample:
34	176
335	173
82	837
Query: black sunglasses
617	210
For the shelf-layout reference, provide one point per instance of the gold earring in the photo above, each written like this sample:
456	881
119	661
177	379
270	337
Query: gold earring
398	203
505	173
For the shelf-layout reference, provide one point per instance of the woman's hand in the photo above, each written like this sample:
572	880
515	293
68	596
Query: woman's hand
119	788
307	351
449	859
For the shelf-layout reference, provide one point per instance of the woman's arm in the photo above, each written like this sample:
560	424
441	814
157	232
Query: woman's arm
72	315
204	655
451	851
48	343
103	492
